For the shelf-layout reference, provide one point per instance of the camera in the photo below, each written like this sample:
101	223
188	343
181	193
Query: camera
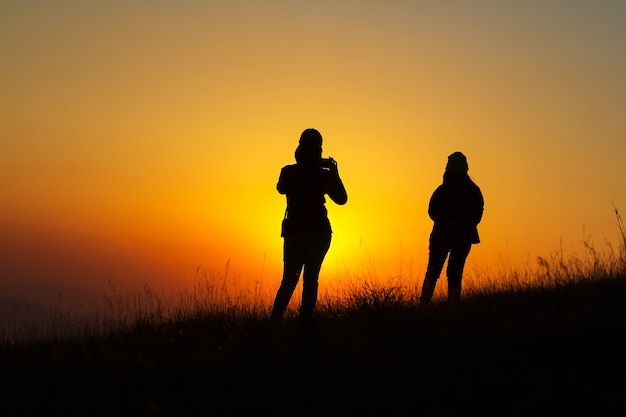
327	162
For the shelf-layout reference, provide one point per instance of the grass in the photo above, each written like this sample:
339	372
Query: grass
538	342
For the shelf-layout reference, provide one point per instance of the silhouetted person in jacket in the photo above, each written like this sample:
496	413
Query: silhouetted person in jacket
456	208
306	227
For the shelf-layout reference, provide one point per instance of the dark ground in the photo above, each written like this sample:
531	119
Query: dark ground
545	352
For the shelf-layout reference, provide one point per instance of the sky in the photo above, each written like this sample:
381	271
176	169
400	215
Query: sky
141	141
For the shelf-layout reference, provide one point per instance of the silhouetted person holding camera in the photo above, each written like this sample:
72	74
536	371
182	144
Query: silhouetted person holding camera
306	228
456	208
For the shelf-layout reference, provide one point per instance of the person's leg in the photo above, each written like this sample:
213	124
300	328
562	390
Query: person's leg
316	251
436	258
293	260
456	264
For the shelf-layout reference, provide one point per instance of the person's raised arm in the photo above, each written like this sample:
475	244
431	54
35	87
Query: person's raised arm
283	182
336	190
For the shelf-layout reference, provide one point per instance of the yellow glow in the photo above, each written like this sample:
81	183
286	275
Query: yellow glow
149	139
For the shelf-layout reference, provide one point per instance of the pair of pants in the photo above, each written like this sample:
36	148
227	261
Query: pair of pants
456	255
301	251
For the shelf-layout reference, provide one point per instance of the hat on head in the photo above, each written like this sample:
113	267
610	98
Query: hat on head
457	162
311	137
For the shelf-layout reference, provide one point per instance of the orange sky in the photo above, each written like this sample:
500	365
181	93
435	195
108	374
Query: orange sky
141	142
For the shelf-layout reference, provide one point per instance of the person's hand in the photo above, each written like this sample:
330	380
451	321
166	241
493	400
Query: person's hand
333	166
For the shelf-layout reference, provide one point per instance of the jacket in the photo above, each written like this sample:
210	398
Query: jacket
305	186
456	208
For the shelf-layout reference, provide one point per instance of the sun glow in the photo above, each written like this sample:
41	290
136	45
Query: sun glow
144	143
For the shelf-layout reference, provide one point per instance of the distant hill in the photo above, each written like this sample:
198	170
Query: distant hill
19	316
27	309
51	295
16	307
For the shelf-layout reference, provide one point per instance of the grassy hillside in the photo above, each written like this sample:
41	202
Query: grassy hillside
541	351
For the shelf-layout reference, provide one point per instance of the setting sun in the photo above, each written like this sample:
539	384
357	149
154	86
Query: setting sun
142	144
